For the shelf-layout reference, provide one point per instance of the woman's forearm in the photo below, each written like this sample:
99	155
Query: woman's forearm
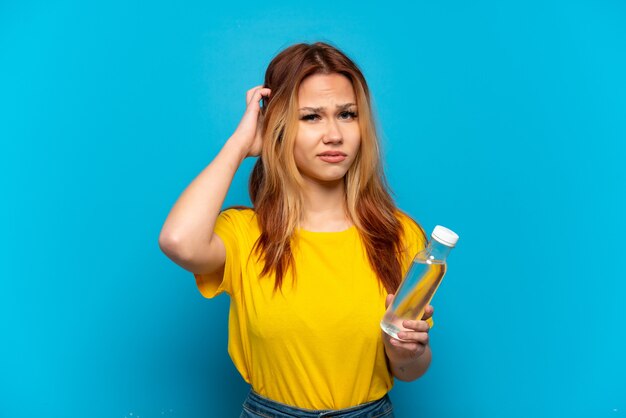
191	221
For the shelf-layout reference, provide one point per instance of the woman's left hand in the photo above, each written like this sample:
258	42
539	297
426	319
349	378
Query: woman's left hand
414	339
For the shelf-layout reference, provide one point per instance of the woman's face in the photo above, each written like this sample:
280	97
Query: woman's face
329	136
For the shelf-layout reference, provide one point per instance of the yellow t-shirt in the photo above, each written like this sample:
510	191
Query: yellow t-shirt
318	344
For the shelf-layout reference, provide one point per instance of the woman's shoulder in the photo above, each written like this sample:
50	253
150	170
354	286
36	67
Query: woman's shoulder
405	218
412	229
241	212
240	218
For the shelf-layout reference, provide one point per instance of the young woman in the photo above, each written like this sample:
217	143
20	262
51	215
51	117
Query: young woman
312	266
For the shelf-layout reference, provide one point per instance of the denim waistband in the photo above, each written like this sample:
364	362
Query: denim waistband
256	405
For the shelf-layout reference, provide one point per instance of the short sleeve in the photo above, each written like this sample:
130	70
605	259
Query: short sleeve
230	227
414	240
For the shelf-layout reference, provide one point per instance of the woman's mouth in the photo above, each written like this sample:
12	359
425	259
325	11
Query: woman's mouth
332	157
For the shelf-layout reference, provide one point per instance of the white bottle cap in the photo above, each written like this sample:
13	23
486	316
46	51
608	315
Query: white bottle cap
445	236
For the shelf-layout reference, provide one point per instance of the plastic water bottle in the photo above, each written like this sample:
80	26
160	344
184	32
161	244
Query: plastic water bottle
420	283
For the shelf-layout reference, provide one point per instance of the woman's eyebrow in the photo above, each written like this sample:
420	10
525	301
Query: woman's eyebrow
322	108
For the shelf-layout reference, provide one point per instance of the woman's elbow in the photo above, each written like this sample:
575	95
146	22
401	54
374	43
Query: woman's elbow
171	245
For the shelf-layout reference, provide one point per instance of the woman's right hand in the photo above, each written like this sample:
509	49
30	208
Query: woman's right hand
249	129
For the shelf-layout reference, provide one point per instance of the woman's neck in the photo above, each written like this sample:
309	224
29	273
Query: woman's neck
325	207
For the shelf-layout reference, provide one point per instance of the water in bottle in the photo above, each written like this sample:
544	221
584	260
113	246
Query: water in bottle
420	283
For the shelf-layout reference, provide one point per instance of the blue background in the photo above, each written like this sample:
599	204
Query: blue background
504	121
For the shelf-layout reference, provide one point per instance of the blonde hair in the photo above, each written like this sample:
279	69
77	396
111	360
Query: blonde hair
276	183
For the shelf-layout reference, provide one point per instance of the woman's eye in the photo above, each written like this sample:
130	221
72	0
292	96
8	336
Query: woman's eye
348	115
309	117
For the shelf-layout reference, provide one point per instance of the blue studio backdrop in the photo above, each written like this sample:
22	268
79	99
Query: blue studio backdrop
504	121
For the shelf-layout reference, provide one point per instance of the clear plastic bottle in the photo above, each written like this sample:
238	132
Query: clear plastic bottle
420	283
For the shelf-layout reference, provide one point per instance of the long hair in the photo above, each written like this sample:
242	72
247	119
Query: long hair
275	182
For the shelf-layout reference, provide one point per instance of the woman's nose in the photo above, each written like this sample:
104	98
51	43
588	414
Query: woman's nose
333	133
